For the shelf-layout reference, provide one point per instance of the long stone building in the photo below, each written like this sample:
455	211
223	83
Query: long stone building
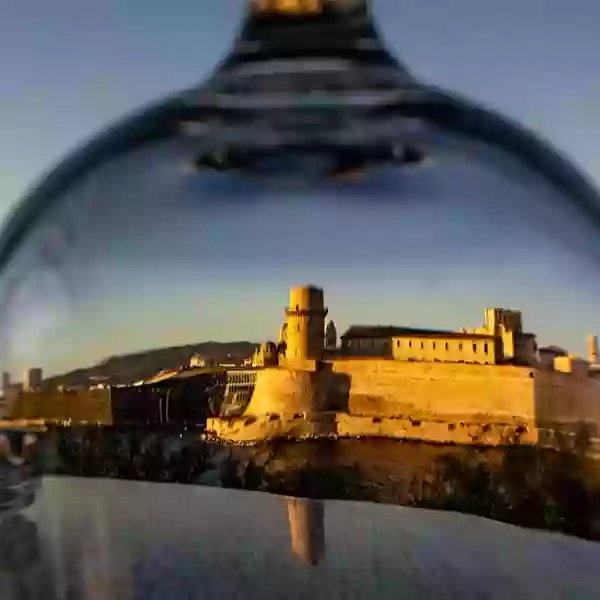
486	385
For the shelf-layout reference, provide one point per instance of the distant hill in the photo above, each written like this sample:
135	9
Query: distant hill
141	365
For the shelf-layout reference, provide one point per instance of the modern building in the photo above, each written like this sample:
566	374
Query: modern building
5	383
32	379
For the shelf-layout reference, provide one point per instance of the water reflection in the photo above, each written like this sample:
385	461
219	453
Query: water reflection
307	529
96	539
527	486
24	572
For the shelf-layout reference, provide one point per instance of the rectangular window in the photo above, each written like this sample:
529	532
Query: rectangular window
475	348
410	344
485	348
433	344
422	345
460	346
398	344
446	345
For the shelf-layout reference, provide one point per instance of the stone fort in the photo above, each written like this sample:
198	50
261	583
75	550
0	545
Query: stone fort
490	385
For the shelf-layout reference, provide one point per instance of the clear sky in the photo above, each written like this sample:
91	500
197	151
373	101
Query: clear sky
70	68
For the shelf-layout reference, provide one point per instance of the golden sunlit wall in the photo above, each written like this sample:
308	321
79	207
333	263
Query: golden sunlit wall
479	350
87	406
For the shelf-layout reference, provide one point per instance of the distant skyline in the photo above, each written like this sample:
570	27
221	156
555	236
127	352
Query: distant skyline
75	68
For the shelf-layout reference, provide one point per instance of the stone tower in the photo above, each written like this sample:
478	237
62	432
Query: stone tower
305	324
265	356
283	334
592	349
330	336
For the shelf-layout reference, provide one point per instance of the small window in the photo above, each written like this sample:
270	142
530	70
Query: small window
398	344
460	346
410	344
433	344
298	328
475	348
485	348
446	345
422	345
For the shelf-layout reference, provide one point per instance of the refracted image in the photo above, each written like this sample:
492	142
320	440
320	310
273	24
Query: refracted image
315	275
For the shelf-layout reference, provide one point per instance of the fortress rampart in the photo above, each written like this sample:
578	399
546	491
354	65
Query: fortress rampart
440	390
486	385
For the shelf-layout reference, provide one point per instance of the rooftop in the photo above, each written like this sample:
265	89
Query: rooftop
390	331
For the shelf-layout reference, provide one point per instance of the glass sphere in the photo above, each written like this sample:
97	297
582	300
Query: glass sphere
189	222
148	250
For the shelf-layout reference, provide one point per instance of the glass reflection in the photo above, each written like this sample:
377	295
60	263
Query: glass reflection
187	223
141	254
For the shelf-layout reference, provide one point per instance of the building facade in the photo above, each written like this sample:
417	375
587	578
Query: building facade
499	340
32	379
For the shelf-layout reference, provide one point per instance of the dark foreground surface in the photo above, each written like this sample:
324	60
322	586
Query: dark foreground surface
96	539
557	491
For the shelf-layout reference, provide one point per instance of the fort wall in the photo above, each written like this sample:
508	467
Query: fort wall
87	406
453	392
289	392
567	399
439	402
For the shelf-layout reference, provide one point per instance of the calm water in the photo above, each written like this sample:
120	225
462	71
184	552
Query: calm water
520	485
88	538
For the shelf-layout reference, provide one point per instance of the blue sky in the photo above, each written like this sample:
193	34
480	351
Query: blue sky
70	68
